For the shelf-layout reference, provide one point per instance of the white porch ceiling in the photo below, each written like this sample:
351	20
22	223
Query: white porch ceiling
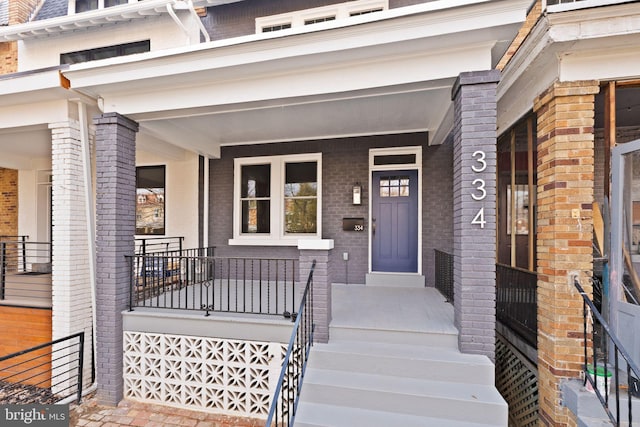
388	76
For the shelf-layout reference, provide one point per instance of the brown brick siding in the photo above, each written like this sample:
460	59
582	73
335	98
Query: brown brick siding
19	12
532	17
565	131
8	202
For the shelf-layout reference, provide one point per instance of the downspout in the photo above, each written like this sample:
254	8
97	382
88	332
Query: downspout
188	5
205	202
90	216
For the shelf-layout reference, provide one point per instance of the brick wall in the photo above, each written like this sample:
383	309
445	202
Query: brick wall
8	202
115	225
71	290
565	184
19	11
474	174
532	18
344	163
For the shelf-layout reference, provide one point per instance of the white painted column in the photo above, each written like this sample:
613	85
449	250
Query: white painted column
71	285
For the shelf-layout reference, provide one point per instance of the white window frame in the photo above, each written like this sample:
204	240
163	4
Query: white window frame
276	236
339	11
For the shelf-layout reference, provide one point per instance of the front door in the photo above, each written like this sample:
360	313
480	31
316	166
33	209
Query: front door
394	221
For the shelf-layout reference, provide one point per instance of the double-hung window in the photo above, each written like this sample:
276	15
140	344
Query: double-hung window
277	199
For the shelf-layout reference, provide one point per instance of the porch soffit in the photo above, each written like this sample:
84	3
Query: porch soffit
316	85
586	44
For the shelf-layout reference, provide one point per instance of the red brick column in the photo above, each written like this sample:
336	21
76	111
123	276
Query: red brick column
564	235
8	202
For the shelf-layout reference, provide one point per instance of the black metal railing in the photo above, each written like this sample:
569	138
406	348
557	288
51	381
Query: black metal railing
597	365
196	281
44	374
25	269
516	301
154	245
444	274
285	397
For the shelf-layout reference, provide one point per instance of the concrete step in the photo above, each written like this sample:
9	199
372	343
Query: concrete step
587	407
437	399
444	339
320	415
402	360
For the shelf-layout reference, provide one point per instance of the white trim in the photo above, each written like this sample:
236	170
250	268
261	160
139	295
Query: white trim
417	150
322	244
277	236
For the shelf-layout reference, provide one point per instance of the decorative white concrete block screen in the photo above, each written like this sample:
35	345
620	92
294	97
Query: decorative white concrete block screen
230	377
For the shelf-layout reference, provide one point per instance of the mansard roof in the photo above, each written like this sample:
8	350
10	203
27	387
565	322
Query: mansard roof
4	12
52	9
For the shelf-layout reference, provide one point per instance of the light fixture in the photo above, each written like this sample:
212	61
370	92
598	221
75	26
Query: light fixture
357	194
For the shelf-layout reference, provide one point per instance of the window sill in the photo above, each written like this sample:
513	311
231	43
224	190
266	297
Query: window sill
301	243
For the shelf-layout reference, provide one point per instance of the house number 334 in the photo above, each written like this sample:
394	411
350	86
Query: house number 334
478	192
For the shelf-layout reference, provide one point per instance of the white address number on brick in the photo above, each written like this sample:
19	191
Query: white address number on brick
479	192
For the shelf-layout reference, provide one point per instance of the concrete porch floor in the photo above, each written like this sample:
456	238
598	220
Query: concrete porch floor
392	308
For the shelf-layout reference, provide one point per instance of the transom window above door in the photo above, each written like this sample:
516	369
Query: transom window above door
276	199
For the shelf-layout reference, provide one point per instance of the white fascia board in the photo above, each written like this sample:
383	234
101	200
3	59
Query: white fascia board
588	44
449	30
29	114
96	18
607	64
302	82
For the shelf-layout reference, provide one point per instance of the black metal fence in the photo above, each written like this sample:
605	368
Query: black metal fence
193	280
444	274
44	374
603	367
516	301
285	397
25	269
151	245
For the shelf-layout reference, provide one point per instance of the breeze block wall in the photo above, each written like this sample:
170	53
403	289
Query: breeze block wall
564	242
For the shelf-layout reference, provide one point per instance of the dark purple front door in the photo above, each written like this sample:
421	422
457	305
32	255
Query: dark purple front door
394	221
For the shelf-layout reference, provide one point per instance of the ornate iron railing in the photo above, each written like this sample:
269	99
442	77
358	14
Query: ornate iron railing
516	301
193	280
286	395
47	373
444	274
597	365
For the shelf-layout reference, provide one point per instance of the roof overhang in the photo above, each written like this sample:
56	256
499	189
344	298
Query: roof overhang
381	76
597	43
98	18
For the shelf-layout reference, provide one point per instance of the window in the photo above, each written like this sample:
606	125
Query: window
521	209
318	20
105	52
86	5
277	27
150	188
333	12
277	199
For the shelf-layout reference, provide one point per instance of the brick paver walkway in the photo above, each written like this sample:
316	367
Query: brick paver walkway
128	413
